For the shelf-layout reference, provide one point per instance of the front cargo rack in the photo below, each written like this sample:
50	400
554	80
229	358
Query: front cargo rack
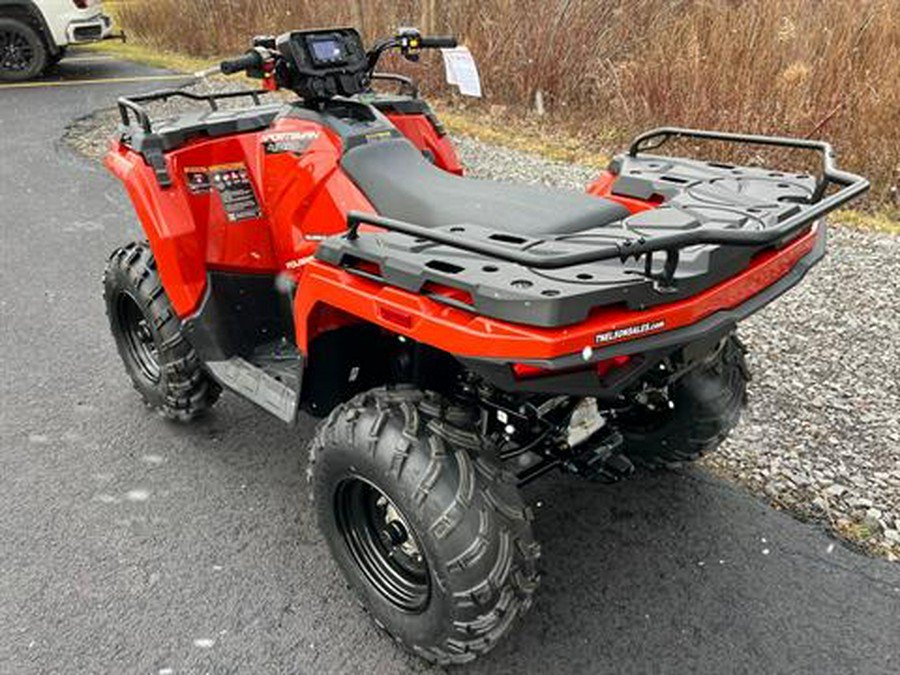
129	106
152	139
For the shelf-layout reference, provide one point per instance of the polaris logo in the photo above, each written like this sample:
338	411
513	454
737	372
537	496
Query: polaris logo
294	142
629	332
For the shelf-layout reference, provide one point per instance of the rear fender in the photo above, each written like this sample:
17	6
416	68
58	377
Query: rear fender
609	331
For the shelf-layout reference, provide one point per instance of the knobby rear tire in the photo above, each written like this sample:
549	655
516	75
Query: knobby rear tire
465	513
706	405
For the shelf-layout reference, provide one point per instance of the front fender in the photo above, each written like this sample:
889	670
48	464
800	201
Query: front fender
178	245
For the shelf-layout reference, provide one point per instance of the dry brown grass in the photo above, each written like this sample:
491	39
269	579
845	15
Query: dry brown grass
608	68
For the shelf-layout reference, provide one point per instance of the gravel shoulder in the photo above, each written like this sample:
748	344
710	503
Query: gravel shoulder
821	435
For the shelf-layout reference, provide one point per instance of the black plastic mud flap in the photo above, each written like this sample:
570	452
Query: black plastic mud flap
254	383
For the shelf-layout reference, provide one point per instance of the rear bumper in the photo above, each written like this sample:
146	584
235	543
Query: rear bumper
94	29
576	376
719	321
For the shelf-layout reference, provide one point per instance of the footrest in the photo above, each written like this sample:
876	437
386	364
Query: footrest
257	385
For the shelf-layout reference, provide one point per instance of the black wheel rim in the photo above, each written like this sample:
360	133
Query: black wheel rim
16	52
382	544
139	340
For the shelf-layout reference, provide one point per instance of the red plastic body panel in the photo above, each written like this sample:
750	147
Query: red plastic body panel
302	197
602	187
178	247
306	196
420	130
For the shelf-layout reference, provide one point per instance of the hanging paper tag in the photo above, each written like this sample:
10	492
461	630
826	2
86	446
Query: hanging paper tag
448	68
460	68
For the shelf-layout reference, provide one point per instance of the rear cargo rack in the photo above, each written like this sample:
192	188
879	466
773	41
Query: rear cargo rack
852	185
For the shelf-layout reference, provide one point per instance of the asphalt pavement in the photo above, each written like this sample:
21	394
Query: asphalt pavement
132	545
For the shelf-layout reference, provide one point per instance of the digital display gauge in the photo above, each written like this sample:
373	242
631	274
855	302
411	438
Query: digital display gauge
327	51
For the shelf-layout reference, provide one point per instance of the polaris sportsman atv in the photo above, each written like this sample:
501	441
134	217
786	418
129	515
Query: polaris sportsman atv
460	337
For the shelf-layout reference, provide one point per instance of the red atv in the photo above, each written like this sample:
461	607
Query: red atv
461	337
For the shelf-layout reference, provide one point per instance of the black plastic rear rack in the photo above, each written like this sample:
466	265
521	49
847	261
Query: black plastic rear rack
132	105
851	184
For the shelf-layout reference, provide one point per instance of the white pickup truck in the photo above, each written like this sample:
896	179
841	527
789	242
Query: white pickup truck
34	34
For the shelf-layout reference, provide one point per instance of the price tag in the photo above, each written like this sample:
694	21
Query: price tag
461	71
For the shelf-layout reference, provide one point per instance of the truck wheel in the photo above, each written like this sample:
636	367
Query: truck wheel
434	539
704	406
23	54
162	364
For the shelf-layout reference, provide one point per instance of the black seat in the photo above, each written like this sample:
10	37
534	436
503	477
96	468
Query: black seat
400	183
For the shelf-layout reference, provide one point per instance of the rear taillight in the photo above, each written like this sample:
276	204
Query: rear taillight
603	367
524	371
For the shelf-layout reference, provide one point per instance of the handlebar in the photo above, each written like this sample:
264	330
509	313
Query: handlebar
410	41
439	42
249	61
267	60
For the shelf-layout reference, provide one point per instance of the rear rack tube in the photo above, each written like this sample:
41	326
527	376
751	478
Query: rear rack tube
655	138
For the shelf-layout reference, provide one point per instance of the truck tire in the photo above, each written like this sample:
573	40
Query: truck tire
433	538
163	366
704	406
23	53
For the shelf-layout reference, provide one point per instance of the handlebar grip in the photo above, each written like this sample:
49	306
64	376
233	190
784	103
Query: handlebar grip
250	60
439	42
